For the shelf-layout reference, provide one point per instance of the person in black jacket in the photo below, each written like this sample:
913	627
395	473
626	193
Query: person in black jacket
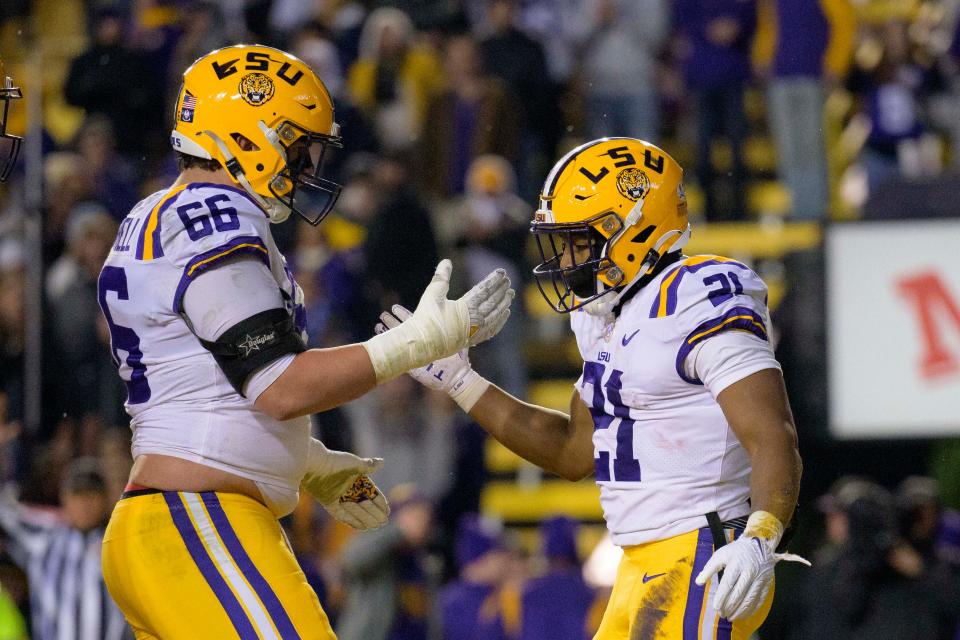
878	586
112	79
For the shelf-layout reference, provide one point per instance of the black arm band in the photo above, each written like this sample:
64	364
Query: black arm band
253	343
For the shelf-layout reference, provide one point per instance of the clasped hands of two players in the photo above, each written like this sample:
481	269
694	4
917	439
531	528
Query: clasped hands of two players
438	330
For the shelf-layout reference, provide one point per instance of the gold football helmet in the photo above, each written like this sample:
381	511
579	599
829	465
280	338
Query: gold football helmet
9	143
268	119
625	198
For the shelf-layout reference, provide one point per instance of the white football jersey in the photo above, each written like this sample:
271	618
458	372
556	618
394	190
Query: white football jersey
664	453
180	401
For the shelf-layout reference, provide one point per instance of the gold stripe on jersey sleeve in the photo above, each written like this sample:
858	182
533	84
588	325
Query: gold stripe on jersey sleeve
223	253
154	219
693	339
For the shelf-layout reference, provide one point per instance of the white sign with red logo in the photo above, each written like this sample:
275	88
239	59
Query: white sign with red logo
893	329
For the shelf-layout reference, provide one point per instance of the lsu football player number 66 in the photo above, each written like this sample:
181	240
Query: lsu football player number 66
207	328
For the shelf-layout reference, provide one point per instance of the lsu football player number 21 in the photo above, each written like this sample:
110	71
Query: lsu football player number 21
680	412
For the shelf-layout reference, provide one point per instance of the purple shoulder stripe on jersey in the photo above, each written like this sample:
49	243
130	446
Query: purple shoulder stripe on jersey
248	569
241	245
739	318
227	187
695	593
157	245
674	287
202	559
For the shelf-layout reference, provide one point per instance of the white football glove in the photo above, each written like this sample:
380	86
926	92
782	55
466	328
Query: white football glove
747	565
453	375
339	481
439	327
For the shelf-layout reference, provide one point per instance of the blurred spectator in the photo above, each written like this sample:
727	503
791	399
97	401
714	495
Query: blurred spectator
312	44
489	225
386	574
114	180
402	423
332	282
394	79
344	19
66	184
918	512
834	506
714	39
529	84
468	606
62	559
75	326
555	605
620	43
809	54
892	80
475	116
87	222
878	586
202	30
114	80
554	24
401	248
932	529
11	334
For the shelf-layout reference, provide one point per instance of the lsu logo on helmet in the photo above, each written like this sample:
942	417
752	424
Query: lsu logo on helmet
256	88
633	183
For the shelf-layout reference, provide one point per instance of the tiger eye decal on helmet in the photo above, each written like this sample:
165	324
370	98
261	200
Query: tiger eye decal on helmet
633	183
622	199
256	88
268	119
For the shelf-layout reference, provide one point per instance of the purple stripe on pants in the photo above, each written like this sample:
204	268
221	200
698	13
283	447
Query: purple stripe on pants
202	559
249	570
724	629
695	593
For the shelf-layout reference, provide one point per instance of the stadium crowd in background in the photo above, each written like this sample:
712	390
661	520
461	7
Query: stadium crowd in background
454	111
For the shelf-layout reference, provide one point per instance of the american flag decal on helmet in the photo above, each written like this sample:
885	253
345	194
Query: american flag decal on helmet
187	107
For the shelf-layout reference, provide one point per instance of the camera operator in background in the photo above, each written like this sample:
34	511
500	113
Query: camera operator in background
877	585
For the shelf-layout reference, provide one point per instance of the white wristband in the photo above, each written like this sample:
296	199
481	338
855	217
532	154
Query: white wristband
763	524
468	390
398	350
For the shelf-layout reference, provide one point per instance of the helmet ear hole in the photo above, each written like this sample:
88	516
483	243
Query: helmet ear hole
245	143
644	235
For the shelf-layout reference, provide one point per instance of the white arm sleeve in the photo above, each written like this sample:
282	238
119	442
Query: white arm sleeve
729	357
229	294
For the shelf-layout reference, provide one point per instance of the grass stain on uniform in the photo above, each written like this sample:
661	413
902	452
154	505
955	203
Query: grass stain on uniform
655	605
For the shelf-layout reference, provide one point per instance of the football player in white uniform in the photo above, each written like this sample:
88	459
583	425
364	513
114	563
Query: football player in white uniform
680	412
206	326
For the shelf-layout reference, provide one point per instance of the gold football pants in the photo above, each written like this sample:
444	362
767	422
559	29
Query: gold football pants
211	566
655	598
